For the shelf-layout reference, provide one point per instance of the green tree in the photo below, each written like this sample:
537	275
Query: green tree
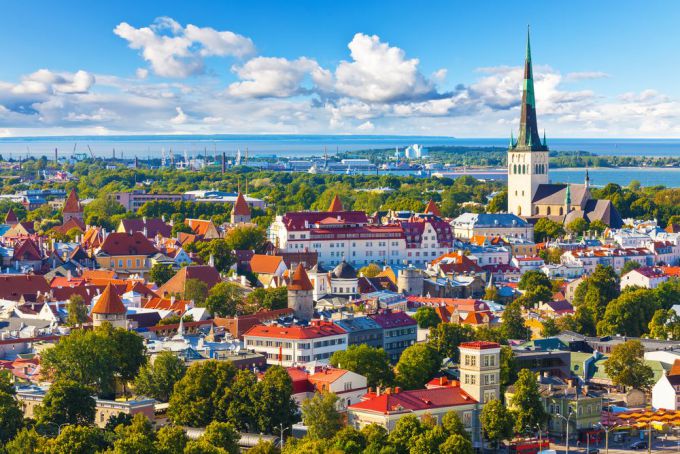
101	210
629	314
526	402
157	379
245	237
129	354
67	402
491	293
499	203
171	440
370	270
446	337
426	317
453	425
11	416
508	365
264	447
160	273
320	416
430	441
497	422
551	255
223	299
532	279
406	431
196	291
512	325
75	439
665	324
349	440
219	250
118	419
272	400
201	395
222	435
578	226
630	265
592	296
626	366
549	328
27	441
76	310
545	228
365	360
375	436
136	438
598	226
417	365
456	444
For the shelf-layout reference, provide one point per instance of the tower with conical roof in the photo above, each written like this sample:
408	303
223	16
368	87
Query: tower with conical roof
72	208
240	212
528	156
109	308
300	294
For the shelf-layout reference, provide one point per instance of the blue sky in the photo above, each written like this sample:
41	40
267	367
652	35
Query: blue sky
603	69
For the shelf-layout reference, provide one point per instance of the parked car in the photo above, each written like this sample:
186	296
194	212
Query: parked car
640	444
592	451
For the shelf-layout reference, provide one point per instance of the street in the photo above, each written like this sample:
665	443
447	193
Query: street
659	445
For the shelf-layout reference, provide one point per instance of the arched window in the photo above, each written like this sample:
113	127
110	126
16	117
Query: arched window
561	211
514	168
536	210
547	211
519	211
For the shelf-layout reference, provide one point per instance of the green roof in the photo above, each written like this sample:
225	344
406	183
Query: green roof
578	359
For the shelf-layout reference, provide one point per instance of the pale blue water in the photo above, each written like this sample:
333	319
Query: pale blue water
309	145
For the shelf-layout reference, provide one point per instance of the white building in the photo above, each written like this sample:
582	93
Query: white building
645	277
666	391
296	345
504	225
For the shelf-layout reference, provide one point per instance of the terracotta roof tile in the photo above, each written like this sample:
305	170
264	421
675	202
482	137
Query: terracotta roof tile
136	243
109	303
300	279
432	208
72	204
416	400
336	204
316	330
267	264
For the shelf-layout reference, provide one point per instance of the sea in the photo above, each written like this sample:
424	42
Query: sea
292	146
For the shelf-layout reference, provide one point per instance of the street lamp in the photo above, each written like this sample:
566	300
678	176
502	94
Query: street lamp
607	429
540	437
282	430
571	413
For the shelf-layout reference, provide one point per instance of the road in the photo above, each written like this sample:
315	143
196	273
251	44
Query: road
658	446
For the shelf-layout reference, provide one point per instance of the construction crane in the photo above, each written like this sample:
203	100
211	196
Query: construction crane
91	154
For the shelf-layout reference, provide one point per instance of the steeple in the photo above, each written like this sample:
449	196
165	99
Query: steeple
567	198
587	183
529	139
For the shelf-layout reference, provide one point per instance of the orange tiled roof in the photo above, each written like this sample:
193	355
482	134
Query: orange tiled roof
432	208
109	303
300	279
267	264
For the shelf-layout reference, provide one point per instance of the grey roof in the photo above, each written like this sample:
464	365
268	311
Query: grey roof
316	269
555	194
490	220
355	324
344	271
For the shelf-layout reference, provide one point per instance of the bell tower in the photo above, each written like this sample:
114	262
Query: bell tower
528	156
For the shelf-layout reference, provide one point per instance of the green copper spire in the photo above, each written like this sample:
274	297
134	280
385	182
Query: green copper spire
529	139
545	142
512	139
567	197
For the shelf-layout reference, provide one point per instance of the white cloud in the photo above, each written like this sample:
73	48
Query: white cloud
585	75
142	73
366	126
380	73
174	51
276	77
180	118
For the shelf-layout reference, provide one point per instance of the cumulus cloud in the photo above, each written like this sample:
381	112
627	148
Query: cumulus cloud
180	118
379	72
276	77
176	51
366	126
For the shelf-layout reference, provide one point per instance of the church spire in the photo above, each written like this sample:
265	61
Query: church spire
529	137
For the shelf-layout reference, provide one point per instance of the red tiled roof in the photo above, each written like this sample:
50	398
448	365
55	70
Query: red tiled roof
136	243
675	370
11	218
432	208
199	226
72	204
27	250
313	331
416	400
241	206
153	226
13	286
109	303
336	204
300	279
389	319
303	219
72	223
177	283
480	345
267	264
